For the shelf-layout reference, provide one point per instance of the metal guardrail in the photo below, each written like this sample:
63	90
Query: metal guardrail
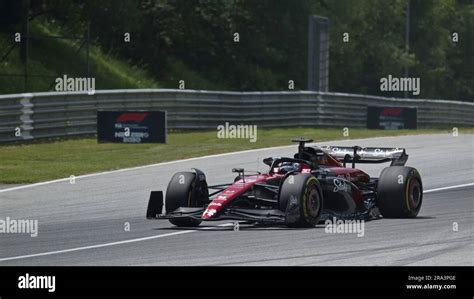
59	114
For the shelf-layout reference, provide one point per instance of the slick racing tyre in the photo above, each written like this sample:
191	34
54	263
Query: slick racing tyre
399	192
183	191
301	199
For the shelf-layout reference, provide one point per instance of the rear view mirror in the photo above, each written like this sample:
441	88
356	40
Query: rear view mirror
268	161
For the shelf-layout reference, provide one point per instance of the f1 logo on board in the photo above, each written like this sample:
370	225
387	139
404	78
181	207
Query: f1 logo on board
131	126
131	117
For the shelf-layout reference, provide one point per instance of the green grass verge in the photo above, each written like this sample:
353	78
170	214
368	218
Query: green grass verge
52	58
40	161
55	57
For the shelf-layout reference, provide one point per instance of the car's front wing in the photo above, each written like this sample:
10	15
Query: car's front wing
253	215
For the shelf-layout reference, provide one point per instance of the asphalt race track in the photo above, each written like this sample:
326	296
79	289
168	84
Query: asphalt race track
84	223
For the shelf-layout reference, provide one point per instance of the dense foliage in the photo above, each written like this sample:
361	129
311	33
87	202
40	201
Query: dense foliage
194	40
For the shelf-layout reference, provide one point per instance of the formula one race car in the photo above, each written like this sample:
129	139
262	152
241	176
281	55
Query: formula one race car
301	191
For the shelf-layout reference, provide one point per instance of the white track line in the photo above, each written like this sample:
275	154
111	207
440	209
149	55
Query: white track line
164	235
140	167
107	244
180	161
448	188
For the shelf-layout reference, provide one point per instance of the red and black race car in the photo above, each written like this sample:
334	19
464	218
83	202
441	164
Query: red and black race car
301	191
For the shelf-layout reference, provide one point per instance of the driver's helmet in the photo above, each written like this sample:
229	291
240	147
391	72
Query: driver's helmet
286	167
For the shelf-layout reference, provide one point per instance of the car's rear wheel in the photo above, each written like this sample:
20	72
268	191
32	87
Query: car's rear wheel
301	200
399	192
181	192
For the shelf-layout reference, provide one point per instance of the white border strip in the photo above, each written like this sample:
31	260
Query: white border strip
108	244
93	246
188	160
141	167
448	188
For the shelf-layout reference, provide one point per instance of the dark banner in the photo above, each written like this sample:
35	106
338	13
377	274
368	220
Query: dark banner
391	118
131	126
239	282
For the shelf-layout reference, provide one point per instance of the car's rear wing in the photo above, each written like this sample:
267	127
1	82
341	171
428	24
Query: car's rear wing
357	154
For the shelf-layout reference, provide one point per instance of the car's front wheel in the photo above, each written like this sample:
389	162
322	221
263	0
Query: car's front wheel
301	199
182	192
